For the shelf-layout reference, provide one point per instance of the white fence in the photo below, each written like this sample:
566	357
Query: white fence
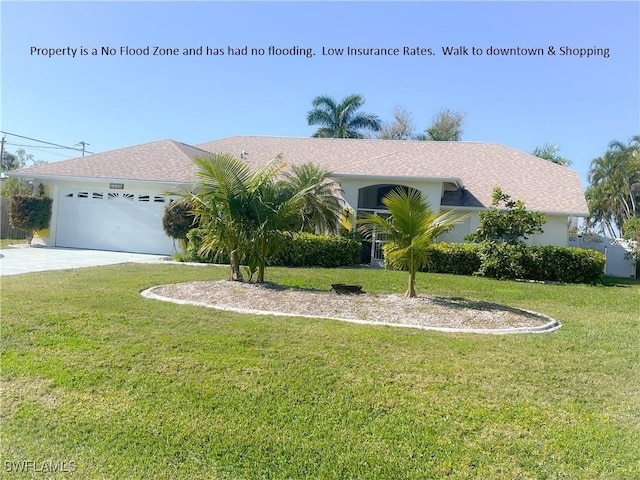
619	262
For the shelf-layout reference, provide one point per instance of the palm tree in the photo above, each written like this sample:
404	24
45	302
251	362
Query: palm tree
614	191
410	229
341	120
218	206
321	206
550	152
243	212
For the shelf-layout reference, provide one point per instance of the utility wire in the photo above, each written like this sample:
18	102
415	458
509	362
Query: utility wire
42	141
33	146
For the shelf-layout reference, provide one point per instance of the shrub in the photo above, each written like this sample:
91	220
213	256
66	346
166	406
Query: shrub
517	261
507	220
295	250
307	249
178	219
550	263
30	213
456	258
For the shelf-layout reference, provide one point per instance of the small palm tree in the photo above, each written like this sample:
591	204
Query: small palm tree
410	229
225	201
321	206
341	120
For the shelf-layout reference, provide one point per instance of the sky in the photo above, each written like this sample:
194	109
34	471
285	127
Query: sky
581	98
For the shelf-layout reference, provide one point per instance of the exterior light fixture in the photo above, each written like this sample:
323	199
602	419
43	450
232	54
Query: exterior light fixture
41	189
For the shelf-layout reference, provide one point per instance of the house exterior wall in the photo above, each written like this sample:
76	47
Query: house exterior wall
556	230
432	191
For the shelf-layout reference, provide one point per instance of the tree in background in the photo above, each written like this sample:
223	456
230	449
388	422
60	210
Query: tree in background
341	120
410	229
549	151
631	231
11	187
613	194
9	162
401	128
20	159
446	126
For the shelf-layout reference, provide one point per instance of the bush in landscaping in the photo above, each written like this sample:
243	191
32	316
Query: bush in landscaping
178	219
550	263
306	250
517	261
295	250
30	213
456	258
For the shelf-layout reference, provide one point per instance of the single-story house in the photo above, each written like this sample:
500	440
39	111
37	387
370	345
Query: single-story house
115	200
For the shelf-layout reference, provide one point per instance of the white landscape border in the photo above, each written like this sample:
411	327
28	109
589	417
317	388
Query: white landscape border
551	326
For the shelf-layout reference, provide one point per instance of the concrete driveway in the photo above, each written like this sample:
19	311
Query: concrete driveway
14	261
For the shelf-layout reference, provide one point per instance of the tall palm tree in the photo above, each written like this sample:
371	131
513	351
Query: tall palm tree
341	120
410	229
614	191
321	206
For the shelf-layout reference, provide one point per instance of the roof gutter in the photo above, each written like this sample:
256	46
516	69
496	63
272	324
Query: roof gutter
93	179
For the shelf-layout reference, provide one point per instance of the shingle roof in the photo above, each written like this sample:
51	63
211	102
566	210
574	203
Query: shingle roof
541	184
161	161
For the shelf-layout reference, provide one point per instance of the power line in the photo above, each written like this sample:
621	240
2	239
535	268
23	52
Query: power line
48	143
33	146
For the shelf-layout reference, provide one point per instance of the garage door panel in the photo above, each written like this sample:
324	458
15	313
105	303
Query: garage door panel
119	221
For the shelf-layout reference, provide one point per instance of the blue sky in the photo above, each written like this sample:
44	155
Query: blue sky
117	101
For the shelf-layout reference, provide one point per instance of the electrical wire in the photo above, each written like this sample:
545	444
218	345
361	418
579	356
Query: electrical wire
48	143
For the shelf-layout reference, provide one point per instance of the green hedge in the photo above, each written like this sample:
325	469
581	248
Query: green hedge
550	263
456	258
295	250
307	250
507	261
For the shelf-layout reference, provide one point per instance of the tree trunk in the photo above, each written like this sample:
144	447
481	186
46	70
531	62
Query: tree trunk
411	289
260	278
234	260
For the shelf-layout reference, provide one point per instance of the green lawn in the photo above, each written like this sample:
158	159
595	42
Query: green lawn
129	388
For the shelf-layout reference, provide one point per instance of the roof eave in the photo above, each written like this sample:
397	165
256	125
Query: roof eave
402	178
71	178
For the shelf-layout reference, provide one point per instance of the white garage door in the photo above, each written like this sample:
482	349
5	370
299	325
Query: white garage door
106	220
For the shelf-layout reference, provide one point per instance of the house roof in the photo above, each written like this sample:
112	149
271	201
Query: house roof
162	161
540	184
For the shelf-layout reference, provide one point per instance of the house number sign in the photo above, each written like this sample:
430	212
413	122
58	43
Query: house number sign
116	186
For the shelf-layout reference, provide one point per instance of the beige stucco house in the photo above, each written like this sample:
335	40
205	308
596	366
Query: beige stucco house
115	200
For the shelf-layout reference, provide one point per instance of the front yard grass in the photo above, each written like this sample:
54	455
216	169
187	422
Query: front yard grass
130	388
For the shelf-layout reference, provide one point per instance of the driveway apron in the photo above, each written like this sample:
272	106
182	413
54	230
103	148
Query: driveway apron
14	261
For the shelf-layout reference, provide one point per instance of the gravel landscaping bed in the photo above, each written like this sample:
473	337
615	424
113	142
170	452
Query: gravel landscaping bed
421	312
